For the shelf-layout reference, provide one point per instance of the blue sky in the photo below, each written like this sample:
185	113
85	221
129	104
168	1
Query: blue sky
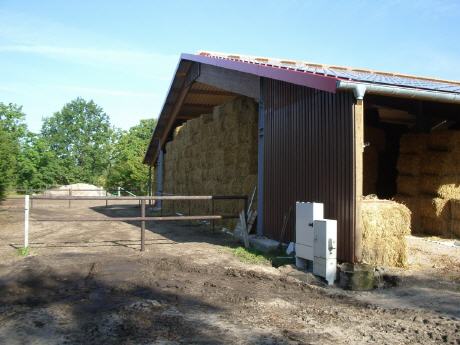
122	54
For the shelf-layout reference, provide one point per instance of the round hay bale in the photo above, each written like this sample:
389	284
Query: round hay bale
414	143
408	185
385	226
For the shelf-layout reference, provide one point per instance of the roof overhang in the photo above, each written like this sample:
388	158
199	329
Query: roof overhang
216	78
225	77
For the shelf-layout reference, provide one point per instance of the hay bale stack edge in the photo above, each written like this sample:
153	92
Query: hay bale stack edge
385	226
214	154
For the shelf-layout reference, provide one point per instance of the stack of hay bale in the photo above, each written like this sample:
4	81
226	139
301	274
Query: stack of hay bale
411	152
214	154
455	214
440	181
434	181
385	226
375	137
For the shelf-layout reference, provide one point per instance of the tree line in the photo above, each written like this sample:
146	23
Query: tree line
76	144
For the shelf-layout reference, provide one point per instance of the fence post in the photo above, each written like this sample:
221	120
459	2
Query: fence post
26	221
106	200
70	194
143	225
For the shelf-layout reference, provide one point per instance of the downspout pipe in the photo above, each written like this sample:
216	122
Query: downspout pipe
360	89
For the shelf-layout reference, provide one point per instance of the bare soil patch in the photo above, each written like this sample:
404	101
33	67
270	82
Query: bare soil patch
88	283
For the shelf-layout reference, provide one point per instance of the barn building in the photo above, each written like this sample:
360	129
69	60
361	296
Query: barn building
299	131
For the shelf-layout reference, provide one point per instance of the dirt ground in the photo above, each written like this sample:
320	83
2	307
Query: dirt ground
88	283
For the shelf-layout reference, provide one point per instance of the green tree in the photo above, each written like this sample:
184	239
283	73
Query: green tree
81	137
12	131
127	169
37	166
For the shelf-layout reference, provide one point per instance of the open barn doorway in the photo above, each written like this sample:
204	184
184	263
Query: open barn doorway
412	155
212	151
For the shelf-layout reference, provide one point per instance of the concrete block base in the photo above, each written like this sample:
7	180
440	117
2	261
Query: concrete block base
263	244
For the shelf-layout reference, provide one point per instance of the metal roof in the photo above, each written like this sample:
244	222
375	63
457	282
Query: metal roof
345	73
198	99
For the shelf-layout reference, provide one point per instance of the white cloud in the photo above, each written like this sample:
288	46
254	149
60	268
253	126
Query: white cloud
107	92
101	57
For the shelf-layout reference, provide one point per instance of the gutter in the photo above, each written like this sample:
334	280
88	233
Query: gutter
360	89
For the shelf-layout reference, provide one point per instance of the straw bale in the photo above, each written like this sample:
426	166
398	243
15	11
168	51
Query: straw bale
247	134
414	143
375	137
435	207
206	118
455	228
177	130
217	114
409	164
445	140
214	154
385	226
250	182
230	123
441	163
230	107
408	185
447	187
413	204
435	226
455	209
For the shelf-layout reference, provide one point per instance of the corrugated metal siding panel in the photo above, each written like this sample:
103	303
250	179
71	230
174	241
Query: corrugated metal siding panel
308	157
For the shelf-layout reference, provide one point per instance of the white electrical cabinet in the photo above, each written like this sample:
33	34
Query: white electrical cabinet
325	249
306	213
316	240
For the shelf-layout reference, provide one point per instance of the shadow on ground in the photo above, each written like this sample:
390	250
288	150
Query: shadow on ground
177	231
46	307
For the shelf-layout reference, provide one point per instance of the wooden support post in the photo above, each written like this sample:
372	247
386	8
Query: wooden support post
358	175
26	221
106	200
142	225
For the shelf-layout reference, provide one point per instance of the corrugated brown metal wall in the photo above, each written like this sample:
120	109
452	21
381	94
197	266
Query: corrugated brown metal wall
308	152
